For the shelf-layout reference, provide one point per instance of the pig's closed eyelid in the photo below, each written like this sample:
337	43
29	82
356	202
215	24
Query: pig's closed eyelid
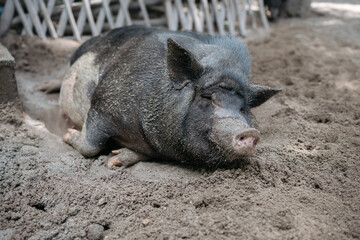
231	89
226	87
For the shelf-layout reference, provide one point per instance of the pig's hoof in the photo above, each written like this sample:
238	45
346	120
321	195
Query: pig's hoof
125	157
71	136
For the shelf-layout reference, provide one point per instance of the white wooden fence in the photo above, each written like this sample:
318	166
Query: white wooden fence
56	18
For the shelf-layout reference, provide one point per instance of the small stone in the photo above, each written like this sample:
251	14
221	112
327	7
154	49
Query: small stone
95	232
146	222
101	202
73	210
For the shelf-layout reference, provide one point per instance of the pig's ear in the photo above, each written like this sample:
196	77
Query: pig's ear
260	94
181	63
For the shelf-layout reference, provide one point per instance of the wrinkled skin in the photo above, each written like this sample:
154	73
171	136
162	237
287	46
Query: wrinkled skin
177	96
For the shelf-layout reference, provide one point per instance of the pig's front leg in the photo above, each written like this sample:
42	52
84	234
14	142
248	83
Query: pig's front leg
125	157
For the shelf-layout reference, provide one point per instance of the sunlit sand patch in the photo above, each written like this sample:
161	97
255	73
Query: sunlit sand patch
352	85
338	9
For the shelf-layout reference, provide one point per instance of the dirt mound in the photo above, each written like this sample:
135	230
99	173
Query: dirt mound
302	183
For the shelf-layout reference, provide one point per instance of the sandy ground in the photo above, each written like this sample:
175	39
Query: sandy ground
303	182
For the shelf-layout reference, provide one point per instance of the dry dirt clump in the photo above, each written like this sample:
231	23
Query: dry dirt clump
302	183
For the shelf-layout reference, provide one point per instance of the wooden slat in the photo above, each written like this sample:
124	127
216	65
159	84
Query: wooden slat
190	20
90	17
183	18
175	17
230	17
195	14
109	16
63	21
233	12
49	10
81	21
191	14
252	15
72	20
263	16
100	20
125	11
169	15
209	21
33	14
201	14
222	15
29	21
47	19
219	16
123	16
23	17
120	19
144	13
240	9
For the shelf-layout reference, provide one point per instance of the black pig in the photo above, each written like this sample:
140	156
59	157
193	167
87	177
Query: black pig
178	96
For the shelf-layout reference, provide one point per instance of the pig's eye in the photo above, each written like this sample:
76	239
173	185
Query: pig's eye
223	86
207	96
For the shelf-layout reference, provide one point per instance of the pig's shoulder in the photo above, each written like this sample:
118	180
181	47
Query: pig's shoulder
111	40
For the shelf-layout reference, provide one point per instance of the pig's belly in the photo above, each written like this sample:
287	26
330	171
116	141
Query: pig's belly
77	88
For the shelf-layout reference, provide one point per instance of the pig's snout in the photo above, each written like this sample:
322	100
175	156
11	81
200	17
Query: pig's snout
235	137
244	143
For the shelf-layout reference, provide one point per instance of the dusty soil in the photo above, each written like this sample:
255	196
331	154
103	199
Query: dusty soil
302	183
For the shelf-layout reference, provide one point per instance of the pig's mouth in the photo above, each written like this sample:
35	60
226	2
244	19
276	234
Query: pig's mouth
244	144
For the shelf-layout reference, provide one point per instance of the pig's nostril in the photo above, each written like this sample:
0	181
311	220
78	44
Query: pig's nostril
245	142
249	140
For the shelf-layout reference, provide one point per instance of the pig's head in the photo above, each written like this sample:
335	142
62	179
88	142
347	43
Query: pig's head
217	128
